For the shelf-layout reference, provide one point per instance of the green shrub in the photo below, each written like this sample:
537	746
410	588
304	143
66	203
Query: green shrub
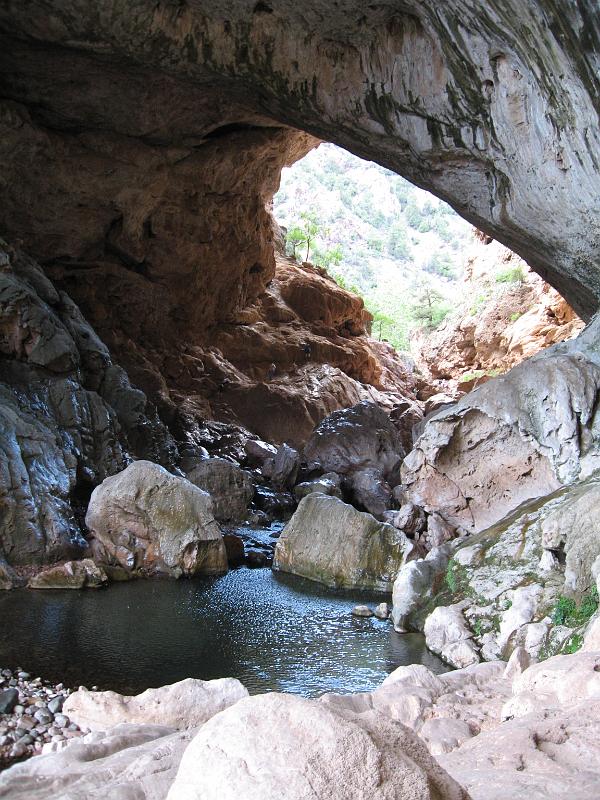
514	317
510	275
451	582
568	612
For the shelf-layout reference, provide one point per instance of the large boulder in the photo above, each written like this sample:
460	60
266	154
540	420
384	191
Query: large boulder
331	542
517	437
281	746
151	522
353	439
230	487
185	704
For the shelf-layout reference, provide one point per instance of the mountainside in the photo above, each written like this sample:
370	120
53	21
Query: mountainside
376	233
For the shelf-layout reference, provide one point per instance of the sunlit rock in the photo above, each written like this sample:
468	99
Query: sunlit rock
186	704
312	752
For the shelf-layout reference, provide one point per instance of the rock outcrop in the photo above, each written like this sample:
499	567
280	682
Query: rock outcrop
509	314
528	582
331	542
149	522
499	122
68	416
519	436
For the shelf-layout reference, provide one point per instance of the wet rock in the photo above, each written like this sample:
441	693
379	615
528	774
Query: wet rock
8	700
230	487
355	438
362	611
334	754
258	559
329	483
185	704
71	575
150	522
331	542
234	546
276	505
382	611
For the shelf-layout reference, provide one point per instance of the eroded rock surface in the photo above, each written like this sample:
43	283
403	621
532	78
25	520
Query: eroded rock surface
230	487
519	436
186	704
148	521
68	416
527	582
491	106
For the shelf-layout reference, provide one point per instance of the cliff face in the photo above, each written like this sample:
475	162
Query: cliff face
492	106
510	314
69	416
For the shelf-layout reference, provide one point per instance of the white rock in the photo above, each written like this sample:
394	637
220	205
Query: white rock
130	762
282	747
522	610
181	705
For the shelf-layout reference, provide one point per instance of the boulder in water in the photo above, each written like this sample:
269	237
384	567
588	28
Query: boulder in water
332	543
151	522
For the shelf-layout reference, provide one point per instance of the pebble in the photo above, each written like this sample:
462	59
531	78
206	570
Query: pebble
31	718
362	611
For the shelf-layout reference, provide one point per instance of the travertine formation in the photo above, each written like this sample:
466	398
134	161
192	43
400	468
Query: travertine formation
491	105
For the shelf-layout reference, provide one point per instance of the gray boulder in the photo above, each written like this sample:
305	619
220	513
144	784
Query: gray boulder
230	487
370	491
329	483
355	438
332	543
151	522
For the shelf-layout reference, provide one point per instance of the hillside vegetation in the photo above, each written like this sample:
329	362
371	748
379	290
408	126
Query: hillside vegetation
396	245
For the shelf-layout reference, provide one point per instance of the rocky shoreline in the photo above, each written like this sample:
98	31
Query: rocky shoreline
32	721
491	731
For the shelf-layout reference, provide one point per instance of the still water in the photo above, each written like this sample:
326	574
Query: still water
273	632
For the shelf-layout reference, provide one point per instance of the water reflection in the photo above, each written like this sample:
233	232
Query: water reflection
273	632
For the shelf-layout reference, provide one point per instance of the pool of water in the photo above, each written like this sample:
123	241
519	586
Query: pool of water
273	632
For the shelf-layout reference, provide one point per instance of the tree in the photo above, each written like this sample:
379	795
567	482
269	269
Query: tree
397	244
304	233
428	307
